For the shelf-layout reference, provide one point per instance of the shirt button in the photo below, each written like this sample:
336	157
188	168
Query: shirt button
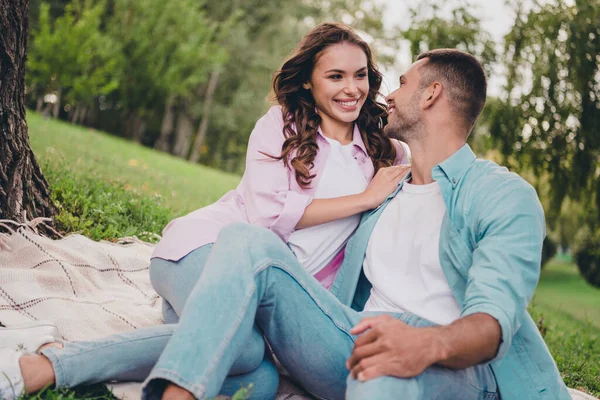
454	181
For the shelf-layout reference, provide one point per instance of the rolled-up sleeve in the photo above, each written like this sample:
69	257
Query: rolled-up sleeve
402	152
268	197
507	257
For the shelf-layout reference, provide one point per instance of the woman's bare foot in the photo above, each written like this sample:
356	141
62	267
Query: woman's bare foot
174	392
37	372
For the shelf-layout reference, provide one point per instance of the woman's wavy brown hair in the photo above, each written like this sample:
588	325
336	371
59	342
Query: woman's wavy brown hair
298	105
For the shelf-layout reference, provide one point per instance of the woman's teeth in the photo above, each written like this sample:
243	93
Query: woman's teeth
348	103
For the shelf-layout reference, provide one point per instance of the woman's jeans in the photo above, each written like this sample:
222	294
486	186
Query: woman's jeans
252	277
131	356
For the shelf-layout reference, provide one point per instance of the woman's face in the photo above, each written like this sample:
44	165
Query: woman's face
339	83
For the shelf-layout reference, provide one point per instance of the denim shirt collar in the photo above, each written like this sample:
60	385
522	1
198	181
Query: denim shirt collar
454	167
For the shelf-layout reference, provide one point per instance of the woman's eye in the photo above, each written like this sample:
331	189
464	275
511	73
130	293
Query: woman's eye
337	76
362	75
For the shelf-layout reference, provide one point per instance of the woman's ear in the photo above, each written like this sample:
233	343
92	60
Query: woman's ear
307	85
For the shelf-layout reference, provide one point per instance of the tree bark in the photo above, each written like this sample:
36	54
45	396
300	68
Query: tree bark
213	83
166	130
24	192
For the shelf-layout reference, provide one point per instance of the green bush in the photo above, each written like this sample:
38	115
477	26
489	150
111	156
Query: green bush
548	250
104	210
587	255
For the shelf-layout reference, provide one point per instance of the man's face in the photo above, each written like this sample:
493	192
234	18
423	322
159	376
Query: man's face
405	118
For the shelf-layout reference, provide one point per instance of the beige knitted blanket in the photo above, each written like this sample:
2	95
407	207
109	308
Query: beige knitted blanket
88	289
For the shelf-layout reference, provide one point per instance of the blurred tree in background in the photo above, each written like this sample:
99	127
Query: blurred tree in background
549	117
187	77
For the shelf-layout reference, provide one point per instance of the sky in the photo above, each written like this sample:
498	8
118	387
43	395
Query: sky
495	16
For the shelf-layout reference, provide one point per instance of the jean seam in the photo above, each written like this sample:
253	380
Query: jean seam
82	352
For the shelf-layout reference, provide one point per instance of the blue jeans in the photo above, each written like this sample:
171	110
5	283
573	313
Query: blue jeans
130	356
252	277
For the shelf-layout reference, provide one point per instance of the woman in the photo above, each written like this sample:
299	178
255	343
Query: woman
309	175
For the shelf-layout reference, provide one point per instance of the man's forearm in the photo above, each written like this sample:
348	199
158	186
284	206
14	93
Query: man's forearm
468	341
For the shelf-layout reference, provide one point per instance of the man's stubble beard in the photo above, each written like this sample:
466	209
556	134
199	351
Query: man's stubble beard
407	125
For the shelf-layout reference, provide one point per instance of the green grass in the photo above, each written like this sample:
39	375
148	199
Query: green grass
108	188
182	186
569	311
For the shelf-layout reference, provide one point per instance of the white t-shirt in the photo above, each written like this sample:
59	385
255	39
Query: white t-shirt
402	260
316	246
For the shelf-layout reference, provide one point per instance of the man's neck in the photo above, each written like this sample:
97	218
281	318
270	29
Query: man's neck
429	152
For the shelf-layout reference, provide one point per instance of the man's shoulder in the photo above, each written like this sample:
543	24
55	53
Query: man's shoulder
491	189
487	179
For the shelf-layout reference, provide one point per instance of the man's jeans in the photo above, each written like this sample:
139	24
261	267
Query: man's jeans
131	356
252	276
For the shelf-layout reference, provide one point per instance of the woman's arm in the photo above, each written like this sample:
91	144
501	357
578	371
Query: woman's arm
270	203
321	211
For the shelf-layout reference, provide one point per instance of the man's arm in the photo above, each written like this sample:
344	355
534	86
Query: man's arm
388	346
500	283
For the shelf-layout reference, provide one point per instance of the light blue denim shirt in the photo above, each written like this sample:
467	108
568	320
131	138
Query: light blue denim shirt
490	251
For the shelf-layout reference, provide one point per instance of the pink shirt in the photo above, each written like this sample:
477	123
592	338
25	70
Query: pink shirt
268	194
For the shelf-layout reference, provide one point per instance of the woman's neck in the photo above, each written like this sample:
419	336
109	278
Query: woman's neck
343	132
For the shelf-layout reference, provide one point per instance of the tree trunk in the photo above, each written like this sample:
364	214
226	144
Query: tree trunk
213	82
135	127
185	130
39	104
75	115
163	143
24	192
56	107
82	115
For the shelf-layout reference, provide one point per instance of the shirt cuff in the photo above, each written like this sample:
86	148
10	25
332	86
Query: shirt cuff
293	210
499	315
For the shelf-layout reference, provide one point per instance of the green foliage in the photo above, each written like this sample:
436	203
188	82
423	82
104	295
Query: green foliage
548	250
169	48
462	30
587	255
551	125
72	55
101	210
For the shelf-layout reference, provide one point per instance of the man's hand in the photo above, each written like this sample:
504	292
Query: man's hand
389	347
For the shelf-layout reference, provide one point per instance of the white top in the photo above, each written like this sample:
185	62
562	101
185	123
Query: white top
402	260
316	246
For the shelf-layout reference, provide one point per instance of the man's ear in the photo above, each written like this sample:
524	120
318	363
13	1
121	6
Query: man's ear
432	94
307	85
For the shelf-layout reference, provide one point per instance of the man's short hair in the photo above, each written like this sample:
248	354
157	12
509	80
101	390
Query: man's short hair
463	79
